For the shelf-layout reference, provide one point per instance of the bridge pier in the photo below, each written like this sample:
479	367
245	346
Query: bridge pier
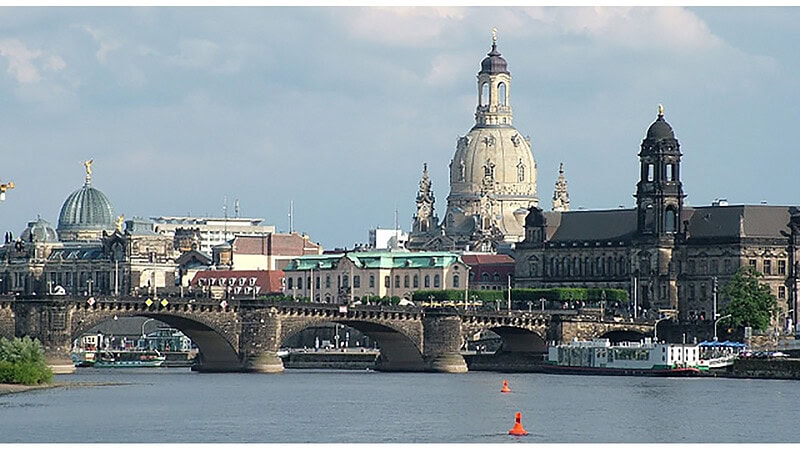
442	341
260	340
49	322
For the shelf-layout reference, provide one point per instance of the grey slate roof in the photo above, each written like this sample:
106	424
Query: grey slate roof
601	225
707	222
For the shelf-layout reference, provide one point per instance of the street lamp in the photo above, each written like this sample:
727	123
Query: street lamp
655	328
542	300
716	322
530	306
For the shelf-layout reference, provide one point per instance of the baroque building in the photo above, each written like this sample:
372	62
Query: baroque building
344	278
667	255
88	254
492	176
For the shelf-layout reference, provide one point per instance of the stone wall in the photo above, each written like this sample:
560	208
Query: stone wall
6	320
785	369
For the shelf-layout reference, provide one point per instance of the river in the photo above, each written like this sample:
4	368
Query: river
326	406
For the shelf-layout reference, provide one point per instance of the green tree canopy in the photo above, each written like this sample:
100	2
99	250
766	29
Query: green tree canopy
750	303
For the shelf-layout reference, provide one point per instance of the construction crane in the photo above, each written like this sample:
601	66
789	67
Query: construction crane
4	187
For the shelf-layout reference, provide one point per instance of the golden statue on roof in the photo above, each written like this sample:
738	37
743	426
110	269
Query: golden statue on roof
120	221
494	35
88	165
660	109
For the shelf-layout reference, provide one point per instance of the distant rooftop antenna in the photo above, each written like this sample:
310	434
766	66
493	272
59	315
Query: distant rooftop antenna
225	214
291	219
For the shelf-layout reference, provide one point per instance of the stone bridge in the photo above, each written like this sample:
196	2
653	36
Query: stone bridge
245	335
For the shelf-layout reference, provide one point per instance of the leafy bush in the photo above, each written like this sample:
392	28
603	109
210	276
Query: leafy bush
22	362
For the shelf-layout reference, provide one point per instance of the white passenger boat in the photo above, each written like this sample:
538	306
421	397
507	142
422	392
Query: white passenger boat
645	358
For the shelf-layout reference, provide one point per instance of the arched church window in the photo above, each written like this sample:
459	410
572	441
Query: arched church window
670	220
650	172
484	100
502	94
520	171
670	172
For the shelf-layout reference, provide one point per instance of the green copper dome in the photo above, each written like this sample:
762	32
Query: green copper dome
86	209
39	231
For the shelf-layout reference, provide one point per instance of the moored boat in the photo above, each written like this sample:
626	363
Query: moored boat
645	358
116	359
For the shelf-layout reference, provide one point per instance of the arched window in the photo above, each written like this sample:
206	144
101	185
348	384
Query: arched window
372	281
427	281
299	282
327	281
356	281
670	221
502	94
485	276
416	281
484	100
455	281
345	281
291	283
405	281
496	277
436	281
520	171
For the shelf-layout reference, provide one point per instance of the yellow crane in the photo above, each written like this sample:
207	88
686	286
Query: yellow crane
4	187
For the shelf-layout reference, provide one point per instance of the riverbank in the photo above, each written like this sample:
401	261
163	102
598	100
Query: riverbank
6	389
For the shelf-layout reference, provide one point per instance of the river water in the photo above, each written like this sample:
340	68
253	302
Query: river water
326	406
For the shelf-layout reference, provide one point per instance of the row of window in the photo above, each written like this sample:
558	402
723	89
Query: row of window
568	266
711	267
343	281
407	281
610	266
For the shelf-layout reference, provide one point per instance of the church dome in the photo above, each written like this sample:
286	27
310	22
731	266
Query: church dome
494	63
39	231
86	209
660	129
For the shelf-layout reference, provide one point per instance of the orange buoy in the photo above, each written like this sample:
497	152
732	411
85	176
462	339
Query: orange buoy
518	430
505	387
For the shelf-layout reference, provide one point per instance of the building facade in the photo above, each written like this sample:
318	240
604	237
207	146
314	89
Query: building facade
348	277
492	176
92	254
668	256
203	233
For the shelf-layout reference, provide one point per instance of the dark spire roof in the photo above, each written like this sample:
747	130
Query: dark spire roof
660	129
494	63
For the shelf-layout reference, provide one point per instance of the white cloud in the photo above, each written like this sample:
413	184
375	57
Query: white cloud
196	53
21	60
658	28
106	44
405	26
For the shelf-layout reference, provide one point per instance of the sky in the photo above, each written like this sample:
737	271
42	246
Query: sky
334	110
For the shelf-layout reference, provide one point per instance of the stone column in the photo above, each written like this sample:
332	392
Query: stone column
259	340
442	341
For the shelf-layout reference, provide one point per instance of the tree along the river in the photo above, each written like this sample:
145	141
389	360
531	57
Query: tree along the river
750	302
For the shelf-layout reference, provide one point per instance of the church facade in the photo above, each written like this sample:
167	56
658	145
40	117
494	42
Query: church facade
492	176
667	255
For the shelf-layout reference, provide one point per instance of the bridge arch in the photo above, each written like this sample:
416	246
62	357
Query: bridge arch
399	348
218	346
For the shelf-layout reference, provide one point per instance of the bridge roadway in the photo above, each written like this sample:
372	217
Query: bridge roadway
245	335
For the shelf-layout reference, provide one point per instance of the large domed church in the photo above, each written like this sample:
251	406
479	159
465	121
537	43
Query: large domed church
492	175
89	253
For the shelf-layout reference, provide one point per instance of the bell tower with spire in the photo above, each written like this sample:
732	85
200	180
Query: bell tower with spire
659	192
560	194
